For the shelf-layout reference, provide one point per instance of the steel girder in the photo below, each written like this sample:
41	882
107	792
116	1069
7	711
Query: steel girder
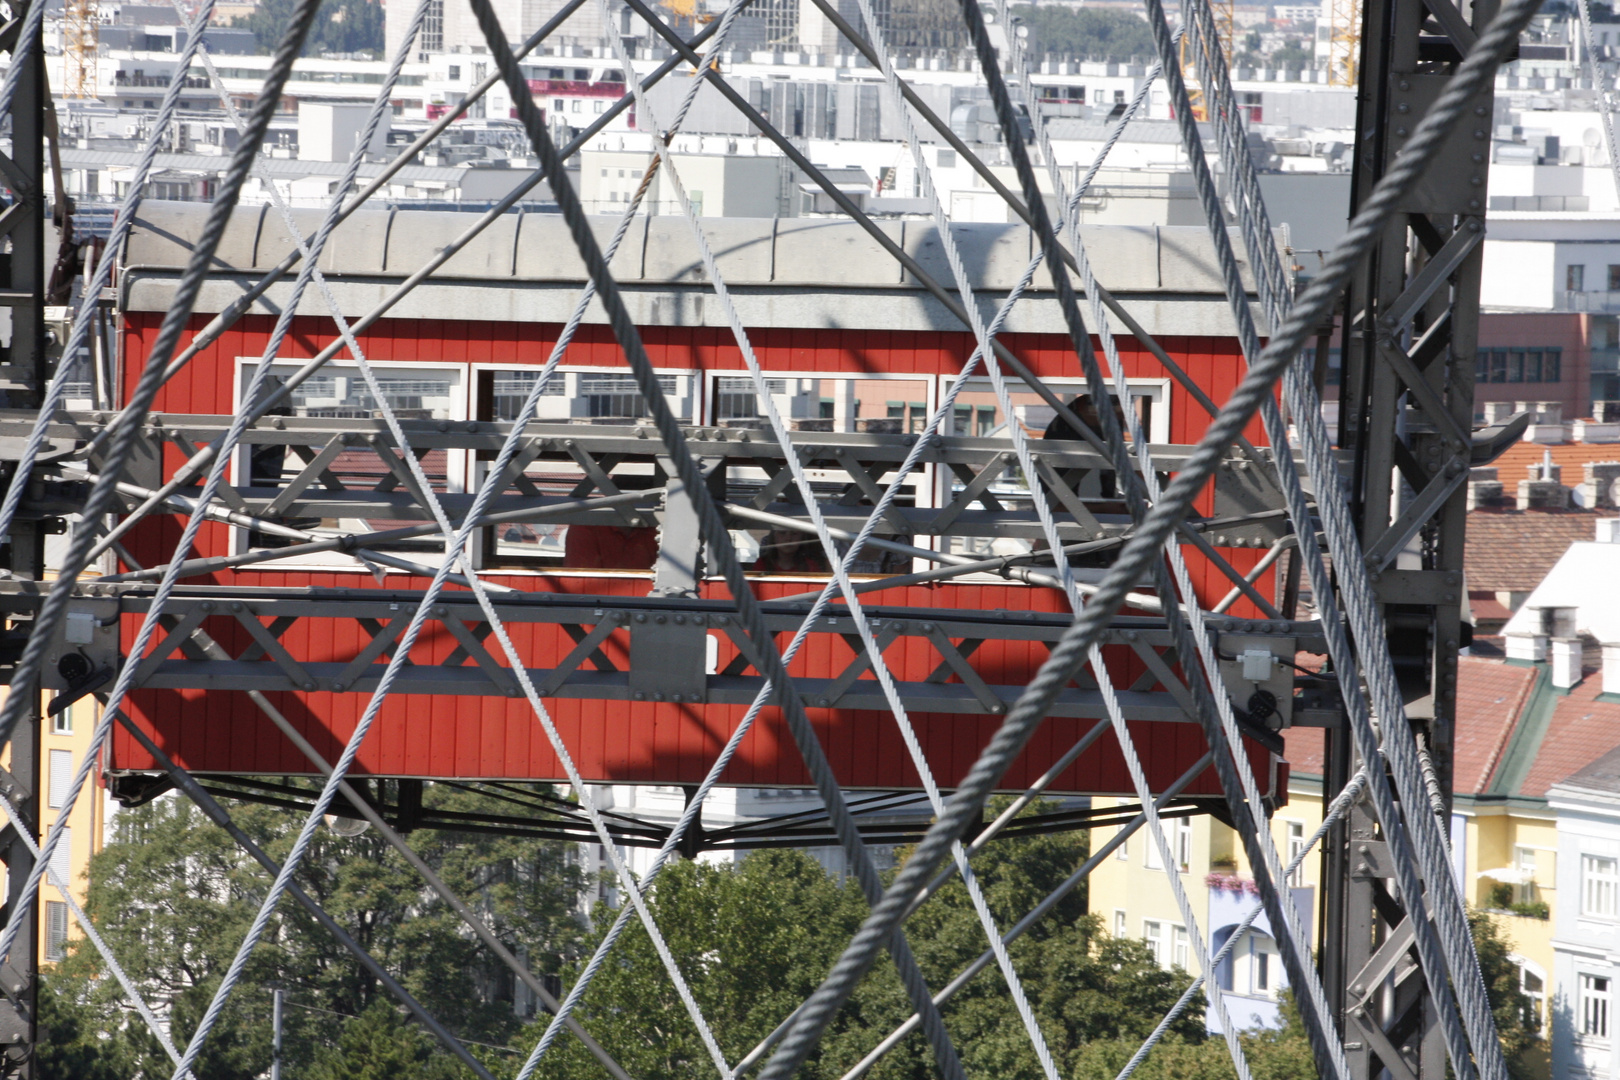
1410	330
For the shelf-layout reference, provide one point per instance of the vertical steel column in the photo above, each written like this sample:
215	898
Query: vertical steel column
1406	411
22	380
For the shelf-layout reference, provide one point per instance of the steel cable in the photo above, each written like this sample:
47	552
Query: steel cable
1137	555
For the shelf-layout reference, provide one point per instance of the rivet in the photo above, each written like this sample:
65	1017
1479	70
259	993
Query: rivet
472	425
340	687
444	425
1479	110
512	691
641	616
236	605
1403	107
1400	132
208	605
823	701
1473	204
440	611
309	684
658	696
1479	133
641	695
1404	85
680	620
660	619
928	628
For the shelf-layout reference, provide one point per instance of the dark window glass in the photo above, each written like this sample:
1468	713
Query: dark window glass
1498	365
1551	365
1532	366
1515	370
1614	278
1482	366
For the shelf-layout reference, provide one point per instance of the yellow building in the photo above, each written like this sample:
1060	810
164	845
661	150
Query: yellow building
1517	735
64	738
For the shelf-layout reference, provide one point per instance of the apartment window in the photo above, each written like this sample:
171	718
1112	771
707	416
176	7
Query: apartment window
62	722
1575	278
432	39
455	72
1594	1006
1600	880
62	858
1153	935
1179	947
1261	966
1524	861
1614	277
1119	923
61	778
947	159
1122	853
56	930
1183	841
1534	987
1518	365
1296	848
1154	859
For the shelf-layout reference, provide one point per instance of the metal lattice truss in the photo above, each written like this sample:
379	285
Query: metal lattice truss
846	492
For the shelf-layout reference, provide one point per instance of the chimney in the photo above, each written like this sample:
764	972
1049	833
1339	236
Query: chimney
1544	490
1565	662
1484	489
1608	530
1611	668
1498	412
1526	647
1600	489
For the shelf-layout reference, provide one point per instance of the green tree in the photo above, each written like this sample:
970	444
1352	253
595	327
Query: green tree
754	939
1516	1021
341	26
174	897
1088	33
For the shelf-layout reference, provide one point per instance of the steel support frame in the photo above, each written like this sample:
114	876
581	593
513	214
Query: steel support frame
23	287
1410	334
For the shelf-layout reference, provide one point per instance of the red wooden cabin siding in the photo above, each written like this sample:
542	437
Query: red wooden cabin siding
645	742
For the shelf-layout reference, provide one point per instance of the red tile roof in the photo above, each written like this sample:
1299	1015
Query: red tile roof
1582	730
1490	697
1512	550
1510	467
1304	748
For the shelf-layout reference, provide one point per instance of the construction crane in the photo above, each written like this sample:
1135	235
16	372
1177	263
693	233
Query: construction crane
81	45
1344	41
1224	14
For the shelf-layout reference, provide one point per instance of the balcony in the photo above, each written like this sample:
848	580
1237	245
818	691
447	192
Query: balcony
1596	303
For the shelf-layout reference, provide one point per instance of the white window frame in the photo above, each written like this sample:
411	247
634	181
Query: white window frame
1524	860
565	384
1600	885
1120	923
1182	841
56	931
1153	936
1594	992
1538	998
455	463
1123	852
1152	858
59	778
1294	831
1180	948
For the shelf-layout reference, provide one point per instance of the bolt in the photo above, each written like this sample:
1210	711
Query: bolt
823	702
1479	110
512	691
1478	159
1451	596
1479	133
657	696
440	611
339	687
680	620
722	620
660	619
236	605
208	605
444	425
1476	181
1404	85
309	684
472	425
1473	204
928	628
641	616
641	695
